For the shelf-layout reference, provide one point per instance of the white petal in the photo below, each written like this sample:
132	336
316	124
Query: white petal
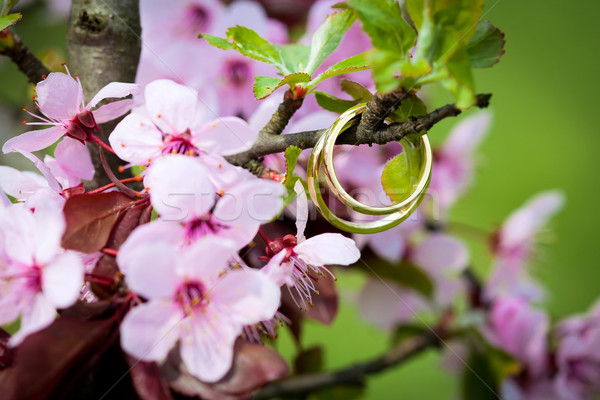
171	106
59	96
227	135
62	280
39	315
136	140
150	330
34	140
441	252
328	249
74	158
113	90
113	110
301	210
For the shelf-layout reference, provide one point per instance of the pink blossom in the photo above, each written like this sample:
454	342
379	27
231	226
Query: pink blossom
173	122
443	258
60	100
453	162
522	331
194	298
578	356
36	275
304	258
183	194
514	244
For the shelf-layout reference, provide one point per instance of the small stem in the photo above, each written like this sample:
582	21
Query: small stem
27	62
99	279
110	252
112	184
111	176
96	139
264	237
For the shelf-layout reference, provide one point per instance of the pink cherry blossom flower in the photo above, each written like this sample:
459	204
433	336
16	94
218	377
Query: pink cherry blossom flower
578	356
172	122
194	298
60	100
36	275
522	331
443	258
186	199
453	162
514	243
304	258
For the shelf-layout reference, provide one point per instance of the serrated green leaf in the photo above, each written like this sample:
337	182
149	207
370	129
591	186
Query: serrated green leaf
294	56
353	64
216	41
401	174
386	70
356	90
327	38
415	11
9	20
405	274
252	45
410	106
486	47
382	20
332	103
264	86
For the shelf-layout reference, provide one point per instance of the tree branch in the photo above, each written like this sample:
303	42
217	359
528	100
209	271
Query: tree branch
270	144
356	374
104	45
28	63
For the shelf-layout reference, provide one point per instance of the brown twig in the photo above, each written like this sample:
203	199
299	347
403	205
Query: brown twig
20	54
270	144
355	374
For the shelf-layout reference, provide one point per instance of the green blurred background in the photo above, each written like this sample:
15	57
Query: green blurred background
544	136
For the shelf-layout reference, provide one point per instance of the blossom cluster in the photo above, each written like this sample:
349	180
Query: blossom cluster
190	270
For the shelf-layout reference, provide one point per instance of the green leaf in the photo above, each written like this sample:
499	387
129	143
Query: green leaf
401	174
294	56
486	47
264	86
216	41
291	159
477	381
386	70
382	20
356	90
9	20
410	106
332	103
405	274
353	64
460	80
328	37
415	11
252	45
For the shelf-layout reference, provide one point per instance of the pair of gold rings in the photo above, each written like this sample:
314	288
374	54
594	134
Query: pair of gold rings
322	159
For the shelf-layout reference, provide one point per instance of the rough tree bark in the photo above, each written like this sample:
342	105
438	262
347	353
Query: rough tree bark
103	41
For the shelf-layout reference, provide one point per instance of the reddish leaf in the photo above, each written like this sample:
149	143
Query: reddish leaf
84	310
106	266
90	219
309	361
254	365
6	354
148	380
50	362
325	304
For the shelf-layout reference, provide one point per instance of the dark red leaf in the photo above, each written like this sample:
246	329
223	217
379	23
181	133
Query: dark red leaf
309	361
324	308
90	219
254	365
84	310
49	362
106	266
6	354
148	380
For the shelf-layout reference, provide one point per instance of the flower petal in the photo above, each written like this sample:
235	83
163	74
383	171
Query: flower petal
113	90
301	210
59	96
180	188
227	135
37	316
149	269
248	295
206	259
440	252
328	249
74	158
171	106
62	280
136	140
34	140
150	330
206	350
467	134
20	184
113	110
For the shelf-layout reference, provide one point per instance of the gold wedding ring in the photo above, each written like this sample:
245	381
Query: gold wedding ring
322	159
